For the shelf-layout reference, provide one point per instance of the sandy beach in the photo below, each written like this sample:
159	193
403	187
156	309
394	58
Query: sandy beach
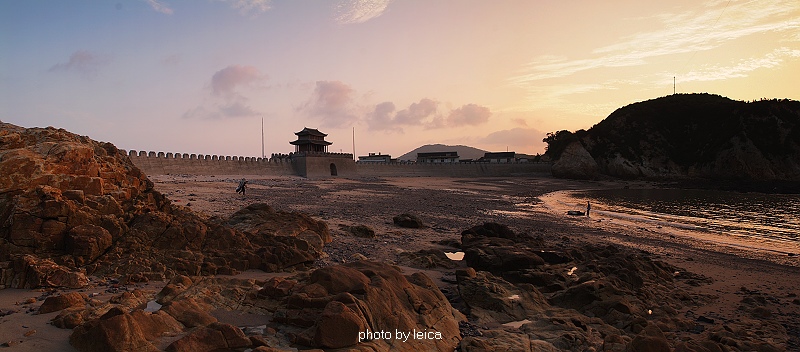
448	206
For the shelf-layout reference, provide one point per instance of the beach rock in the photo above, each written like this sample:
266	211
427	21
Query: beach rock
362	231
578	296
495	248
68	202
71	317
189	312
428	259
698	346
261	223
216	336
334	304
87	242
408	221
492	299
134	331
28	271
338	326
576	163
61	302
651	339
500	340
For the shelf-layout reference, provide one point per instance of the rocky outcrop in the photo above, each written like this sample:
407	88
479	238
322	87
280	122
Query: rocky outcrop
336	304
362	305
689	136
565	297
575	162
71	207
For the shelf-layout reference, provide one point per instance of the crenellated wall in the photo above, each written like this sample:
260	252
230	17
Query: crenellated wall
161	163
317	166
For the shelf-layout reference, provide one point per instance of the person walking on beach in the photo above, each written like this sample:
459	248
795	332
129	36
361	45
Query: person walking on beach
242	186
588	208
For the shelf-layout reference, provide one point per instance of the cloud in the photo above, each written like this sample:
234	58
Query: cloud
81	61
424	113
227	99
520	122
469	115
249	7
382	118
212	110
159	7
237	109
333	103
417	114
173	59
687	32
516	139
740	69
227	79
359	11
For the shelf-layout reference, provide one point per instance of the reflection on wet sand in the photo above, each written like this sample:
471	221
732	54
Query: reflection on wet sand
718	232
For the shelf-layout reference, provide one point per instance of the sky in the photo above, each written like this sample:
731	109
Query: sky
199	76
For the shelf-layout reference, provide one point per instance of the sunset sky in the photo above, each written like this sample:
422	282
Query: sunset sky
198	76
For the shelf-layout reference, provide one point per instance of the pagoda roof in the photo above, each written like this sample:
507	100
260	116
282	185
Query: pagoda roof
310	141
310	131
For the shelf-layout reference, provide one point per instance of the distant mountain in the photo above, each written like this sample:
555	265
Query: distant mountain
688	135
464	152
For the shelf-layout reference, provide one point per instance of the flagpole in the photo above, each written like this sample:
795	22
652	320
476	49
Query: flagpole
262	139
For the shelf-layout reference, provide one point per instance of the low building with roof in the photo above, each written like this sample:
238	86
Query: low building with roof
375	158
437	158
499	157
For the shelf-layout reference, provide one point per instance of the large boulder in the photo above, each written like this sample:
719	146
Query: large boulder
336	307
135	331
61	302
576	163
408	220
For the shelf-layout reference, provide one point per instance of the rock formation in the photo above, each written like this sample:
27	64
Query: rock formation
575	162
690	135
408	221
560	297
334	307
71	207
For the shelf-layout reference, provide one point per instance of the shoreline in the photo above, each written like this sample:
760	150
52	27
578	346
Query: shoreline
670	227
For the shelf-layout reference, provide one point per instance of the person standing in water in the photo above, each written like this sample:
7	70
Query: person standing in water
588	208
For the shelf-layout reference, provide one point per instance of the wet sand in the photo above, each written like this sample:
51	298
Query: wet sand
671	229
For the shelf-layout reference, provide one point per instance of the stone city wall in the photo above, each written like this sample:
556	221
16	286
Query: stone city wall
453	170
161	163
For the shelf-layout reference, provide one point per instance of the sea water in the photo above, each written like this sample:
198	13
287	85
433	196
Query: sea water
760	216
